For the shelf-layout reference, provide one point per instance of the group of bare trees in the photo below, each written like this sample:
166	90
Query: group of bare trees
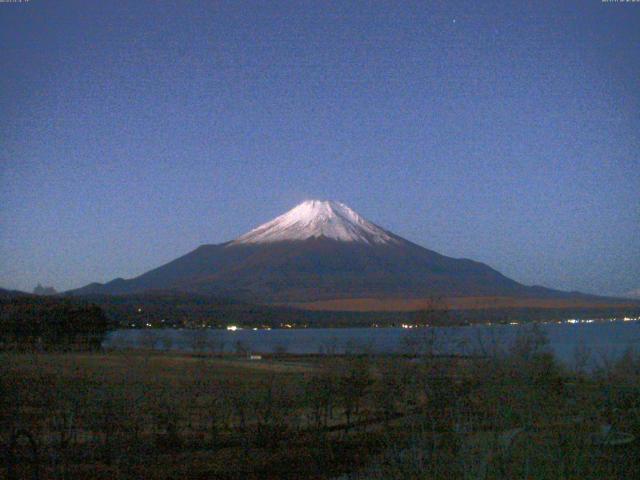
423	410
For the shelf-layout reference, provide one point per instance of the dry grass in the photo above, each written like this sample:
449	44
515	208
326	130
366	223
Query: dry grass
158	415
456	303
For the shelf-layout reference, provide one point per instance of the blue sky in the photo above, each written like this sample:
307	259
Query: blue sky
506	132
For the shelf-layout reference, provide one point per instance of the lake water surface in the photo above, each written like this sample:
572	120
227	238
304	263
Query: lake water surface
602	340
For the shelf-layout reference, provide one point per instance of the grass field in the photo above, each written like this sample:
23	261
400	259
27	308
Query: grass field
137	414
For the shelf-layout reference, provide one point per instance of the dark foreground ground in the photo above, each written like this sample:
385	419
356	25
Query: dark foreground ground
136	414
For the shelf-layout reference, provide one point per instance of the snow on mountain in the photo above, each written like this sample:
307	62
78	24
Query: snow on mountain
345	257
633	293
317	218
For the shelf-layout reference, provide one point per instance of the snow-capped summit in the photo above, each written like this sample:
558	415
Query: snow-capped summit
322	250
318	218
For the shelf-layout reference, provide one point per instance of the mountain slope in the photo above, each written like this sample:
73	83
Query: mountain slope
318	251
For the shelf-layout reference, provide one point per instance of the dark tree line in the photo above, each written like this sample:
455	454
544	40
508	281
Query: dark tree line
51	323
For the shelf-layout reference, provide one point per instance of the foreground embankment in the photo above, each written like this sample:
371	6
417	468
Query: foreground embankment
142	414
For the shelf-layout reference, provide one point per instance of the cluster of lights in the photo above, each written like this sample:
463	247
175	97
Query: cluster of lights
573	321
591	320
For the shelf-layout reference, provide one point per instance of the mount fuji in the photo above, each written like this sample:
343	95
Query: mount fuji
317	252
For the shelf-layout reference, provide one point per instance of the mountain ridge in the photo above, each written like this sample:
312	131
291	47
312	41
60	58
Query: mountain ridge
317	251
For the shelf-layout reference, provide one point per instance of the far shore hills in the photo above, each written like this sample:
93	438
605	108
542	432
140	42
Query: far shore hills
462	303
188	310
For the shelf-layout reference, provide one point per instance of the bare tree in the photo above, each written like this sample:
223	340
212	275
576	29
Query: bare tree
353	384
215	341
166	341
148	339
198	340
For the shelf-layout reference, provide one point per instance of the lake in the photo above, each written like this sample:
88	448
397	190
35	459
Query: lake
602	340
